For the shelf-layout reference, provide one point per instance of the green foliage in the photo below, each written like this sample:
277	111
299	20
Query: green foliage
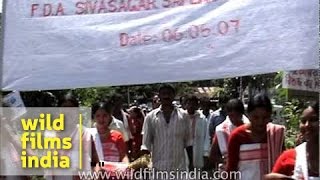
292	112
90	95
257	82
281	94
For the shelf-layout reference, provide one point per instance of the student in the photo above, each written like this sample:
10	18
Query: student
109	144
218	116
205	108
301	162
254	147
117	124
135	124
167	133
235	118
120	115
199	127
155	102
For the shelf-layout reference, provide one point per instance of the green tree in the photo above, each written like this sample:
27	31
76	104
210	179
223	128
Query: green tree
292	112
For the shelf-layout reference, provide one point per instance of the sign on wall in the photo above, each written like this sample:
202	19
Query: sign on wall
306	80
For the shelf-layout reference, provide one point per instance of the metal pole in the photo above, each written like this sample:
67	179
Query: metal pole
3	22
240	91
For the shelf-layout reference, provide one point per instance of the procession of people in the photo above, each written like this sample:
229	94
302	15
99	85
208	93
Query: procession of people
178	139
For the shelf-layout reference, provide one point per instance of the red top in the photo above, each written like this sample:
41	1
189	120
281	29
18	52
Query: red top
114	147
285	163
238	137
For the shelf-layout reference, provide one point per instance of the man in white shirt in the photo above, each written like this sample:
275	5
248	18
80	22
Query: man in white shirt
120	114
205	108
199	132
218	116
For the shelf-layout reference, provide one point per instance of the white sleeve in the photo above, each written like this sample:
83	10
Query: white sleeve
207	140
124	132
147	133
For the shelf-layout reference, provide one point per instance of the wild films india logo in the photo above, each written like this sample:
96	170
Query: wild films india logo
35	139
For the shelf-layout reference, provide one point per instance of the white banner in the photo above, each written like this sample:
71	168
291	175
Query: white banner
306	80
57	44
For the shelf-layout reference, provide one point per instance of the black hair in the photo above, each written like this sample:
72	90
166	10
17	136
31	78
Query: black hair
259	101
138	111
315	107
235	105
69	97
168	87
192	98
105	105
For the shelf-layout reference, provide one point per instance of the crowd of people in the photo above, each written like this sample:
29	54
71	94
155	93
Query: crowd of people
194	137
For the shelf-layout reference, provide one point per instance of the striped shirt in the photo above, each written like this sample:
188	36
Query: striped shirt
167	141
114	148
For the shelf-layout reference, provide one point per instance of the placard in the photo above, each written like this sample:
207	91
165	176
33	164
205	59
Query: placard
306	80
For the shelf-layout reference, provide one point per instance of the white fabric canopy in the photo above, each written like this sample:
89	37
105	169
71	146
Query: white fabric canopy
214	39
